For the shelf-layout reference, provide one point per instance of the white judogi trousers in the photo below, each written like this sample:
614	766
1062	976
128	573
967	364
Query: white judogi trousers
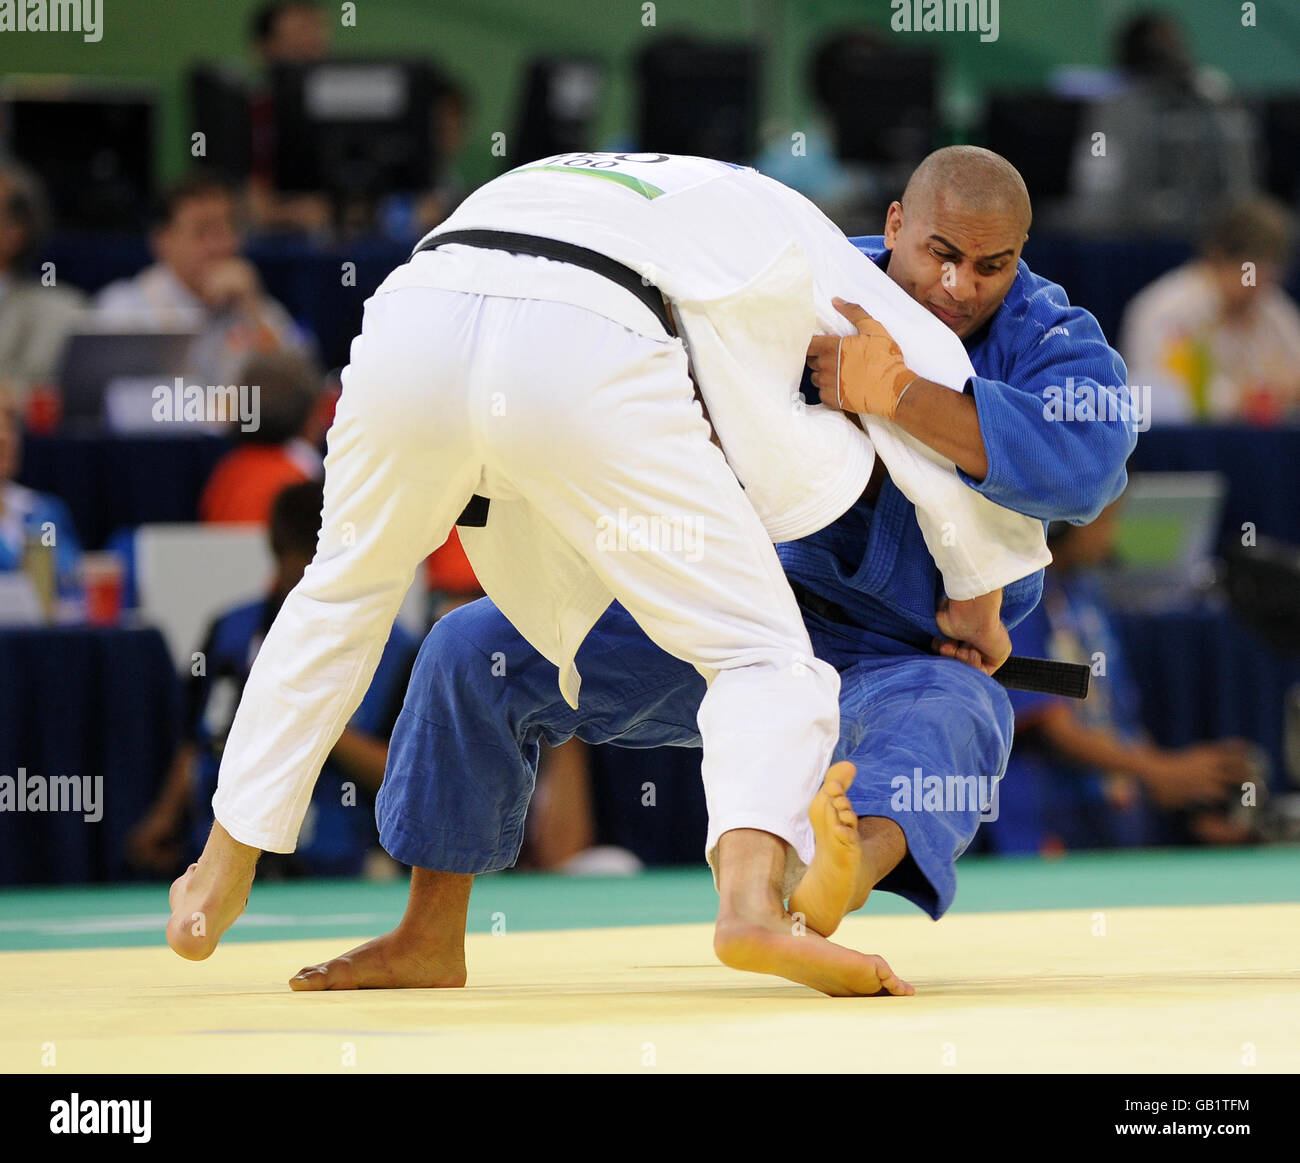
594	426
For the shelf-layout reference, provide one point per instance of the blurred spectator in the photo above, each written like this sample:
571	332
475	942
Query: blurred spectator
201	282
449	128
1083	775
1174	141
338	833
285	32
34	319
290	32
1218	338
32	522
283	449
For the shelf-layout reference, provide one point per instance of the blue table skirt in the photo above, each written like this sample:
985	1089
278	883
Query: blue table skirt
83	702
115	482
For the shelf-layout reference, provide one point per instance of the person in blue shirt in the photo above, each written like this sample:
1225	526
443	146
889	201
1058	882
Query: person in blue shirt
32	521
339	829
481	700
1085	775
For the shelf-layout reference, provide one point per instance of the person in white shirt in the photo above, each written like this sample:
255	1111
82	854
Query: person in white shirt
36	314
1218	339
202	283
556	393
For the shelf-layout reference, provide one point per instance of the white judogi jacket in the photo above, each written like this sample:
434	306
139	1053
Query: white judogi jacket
750	268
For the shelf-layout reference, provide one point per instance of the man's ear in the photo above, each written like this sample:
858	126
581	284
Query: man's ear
893	224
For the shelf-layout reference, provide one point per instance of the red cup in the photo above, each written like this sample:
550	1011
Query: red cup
101	575
44	410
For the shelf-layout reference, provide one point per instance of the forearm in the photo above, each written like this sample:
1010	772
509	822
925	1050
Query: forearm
1096	747
946	421
175	791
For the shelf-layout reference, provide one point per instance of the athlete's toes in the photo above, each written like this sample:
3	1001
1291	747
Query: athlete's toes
328	975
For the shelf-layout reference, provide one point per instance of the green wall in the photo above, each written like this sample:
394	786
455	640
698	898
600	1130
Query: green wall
486	42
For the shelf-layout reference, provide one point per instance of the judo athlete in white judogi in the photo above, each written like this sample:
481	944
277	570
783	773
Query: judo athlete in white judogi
556	393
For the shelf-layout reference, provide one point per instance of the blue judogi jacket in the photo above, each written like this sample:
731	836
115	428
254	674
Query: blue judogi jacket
873	563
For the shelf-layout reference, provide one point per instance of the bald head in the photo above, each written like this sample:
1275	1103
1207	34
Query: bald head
972	179
957	234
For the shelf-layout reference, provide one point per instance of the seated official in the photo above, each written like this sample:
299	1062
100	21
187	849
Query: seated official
339	832
1217	338
1085	775
1165	146
35	314
202	283
32	522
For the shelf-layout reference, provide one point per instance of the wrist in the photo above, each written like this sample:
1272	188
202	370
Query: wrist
903	381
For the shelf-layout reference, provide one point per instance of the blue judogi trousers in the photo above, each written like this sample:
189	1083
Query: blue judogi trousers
463	756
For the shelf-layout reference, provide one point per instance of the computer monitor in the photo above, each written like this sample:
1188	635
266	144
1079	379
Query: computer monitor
700	98
1036	133
359	129
881	100
559	103
91	145
1281	131
219	109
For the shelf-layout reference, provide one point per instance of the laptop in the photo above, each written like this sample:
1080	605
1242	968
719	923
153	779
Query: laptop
94	360
1166	540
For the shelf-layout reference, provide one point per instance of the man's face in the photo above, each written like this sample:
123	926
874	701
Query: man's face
1238	295
299	36
955	262
201	234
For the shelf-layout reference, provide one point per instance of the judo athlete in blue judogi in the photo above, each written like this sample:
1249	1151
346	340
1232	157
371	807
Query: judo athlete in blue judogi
913	705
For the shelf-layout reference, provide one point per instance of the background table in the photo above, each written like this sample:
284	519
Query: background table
83	702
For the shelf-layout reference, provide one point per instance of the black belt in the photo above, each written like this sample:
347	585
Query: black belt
475	514
1046	675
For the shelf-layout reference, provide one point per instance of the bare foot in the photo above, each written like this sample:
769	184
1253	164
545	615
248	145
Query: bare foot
824	895
393	961
772	947
208	897
425	951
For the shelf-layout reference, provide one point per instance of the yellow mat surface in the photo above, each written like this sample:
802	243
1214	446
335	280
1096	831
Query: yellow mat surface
1199	989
